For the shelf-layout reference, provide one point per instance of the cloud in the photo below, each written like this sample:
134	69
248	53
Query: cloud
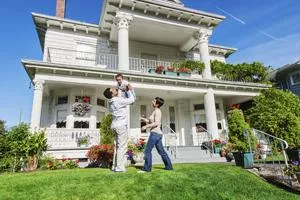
276	53
232	16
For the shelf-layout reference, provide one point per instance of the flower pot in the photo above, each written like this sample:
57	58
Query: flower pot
217	150
244	160
293	154
298	176
152	71
184	74
170	73
138	157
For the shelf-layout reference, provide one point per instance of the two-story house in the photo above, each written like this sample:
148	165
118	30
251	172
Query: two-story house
133	36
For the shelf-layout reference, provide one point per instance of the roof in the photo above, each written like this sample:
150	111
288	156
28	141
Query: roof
284	69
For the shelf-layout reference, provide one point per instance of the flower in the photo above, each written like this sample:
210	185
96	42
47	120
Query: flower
159	69
171	68
216	143
184	70
134	148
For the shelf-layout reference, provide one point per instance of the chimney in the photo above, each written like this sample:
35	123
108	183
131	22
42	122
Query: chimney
60	8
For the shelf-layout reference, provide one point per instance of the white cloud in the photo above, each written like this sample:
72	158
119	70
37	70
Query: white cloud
276	53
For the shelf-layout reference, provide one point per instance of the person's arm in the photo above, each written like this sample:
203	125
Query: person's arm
156	122
127	101
144	120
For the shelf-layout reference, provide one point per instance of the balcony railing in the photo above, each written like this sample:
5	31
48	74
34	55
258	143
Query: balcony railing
68	138
107	61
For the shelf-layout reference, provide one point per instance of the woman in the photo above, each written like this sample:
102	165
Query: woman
155	138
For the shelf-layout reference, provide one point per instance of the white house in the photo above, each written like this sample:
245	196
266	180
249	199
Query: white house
81	59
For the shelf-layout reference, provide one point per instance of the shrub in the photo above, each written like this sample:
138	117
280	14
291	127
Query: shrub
19	147
237	127
106	133
49	163
277	112
101	155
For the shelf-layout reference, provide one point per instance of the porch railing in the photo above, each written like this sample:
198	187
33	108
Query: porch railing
68	138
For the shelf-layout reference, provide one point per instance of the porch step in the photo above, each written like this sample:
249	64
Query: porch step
188	155
185	154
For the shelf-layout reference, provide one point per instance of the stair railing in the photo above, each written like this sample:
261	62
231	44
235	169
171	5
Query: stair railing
270	154
173	134
209	145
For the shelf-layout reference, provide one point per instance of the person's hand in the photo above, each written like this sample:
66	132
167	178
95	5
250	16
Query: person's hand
143	119
129	87
144	128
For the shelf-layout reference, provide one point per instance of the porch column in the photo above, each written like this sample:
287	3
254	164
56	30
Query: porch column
37	104
123	21
204	52
211	114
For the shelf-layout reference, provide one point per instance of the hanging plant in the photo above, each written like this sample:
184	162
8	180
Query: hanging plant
81	109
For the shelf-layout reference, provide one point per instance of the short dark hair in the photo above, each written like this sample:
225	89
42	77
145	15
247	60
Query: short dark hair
159	101
107	93
119	75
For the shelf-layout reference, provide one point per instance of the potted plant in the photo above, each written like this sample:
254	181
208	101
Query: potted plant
101	155
241	139
136	151
83	141
170	71
216	145
159	69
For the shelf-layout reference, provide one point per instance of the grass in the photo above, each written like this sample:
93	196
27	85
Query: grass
187	181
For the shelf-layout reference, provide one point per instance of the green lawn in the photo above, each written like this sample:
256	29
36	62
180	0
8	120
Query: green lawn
187	181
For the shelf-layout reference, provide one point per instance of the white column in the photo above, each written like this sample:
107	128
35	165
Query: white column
37	104
211	114
123	21
204	52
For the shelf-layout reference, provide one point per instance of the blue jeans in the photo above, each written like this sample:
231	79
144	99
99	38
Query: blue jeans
155	140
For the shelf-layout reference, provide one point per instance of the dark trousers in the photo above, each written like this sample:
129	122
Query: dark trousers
155	139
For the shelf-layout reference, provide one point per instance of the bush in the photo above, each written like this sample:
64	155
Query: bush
101	155
106	133
253	72
49	163
19	147
237	127
277	112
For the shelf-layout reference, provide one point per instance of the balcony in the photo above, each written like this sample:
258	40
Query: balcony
104	61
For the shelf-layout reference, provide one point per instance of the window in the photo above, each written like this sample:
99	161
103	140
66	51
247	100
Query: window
81	124
100	116
172	118
295	78
100	102
62	100
201	106
143	113
198	106
61	117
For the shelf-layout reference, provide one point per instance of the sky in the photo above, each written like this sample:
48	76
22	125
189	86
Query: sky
267	31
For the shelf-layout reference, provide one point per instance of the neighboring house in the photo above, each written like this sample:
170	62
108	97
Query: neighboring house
81	59
288	77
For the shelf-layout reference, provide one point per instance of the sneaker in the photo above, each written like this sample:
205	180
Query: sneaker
141	171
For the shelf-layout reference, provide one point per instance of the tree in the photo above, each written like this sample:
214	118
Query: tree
277	112
106	133
2	127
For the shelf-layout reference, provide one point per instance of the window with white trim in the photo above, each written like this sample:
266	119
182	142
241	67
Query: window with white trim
295	77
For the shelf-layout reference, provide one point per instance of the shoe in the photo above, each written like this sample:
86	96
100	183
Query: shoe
119	171
141	171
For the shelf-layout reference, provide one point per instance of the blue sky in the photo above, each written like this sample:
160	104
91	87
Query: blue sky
267	31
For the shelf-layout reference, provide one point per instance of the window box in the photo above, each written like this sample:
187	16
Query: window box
184	74
170	73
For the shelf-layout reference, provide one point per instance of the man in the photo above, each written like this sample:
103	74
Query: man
118	108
